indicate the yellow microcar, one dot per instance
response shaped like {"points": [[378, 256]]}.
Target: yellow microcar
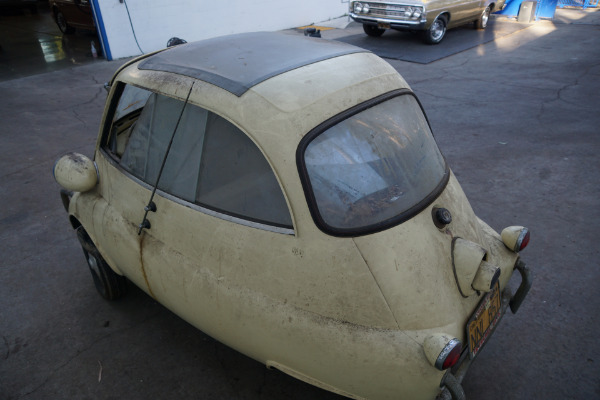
{"points": [[285, 195]]}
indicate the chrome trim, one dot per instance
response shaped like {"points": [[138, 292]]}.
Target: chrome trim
{"points": [[446, 351], [360, 18], [437, 30], [97, 172], [384, 4], [520, 239], [193, 206], [227, 217]]}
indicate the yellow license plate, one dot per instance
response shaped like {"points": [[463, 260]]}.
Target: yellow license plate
{"points": [[483, 320], [383, 25]]}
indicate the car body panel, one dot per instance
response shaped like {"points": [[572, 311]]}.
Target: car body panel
{"points": [[430, 272]]}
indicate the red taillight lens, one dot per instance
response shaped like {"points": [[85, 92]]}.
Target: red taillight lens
{"points": [[449, 355], [524, 240], [515, 238]]}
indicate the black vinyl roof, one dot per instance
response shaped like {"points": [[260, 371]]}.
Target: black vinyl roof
{"points": [[238, 62]]}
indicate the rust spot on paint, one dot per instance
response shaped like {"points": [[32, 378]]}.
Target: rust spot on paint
{"points": [[76, 158], [144, 269]]}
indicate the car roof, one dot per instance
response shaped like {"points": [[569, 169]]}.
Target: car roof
{"points": [[238, 62]]}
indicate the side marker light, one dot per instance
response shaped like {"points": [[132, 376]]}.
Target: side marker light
{"points": [[516, 238]]}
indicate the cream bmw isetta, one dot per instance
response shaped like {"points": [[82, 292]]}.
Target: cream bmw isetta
{"points": [[286, 196]]}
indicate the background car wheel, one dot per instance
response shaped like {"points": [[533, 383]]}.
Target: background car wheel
{"points": [[372, 30], [436, 31], [482, 22], [110, 285], [62, 23]]}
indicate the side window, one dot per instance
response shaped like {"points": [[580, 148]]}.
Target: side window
{"points": [[128, 110], [211, 162], [150, 136], [235, 177]]}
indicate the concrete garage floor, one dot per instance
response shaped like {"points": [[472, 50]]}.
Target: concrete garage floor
{"points": [[517, 119], [31, 43]]}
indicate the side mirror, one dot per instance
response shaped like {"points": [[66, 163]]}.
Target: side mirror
{"points": [[75, 172]]}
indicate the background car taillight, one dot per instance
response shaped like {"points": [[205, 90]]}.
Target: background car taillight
{"points": [[515, 238], [442, 351]]}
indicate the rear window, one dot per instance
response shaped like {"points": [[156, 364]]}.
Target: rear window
{"points": [[374, 169]]}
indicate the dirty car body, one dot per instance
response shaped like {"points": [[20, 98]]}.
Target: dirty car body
{"points": [[430, 17], [298, 211]]}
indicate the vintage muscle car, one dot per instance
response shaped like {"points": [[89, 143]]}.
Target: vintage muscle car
{"points": [[430, 17]]}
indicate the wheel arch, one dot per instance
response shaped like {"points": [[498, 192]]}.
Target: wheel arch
{"points": [[74, 222], [446, 14]]}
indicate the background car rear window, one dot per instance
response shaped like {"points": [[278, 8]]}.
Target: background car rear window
{"points": [[211, 162]]}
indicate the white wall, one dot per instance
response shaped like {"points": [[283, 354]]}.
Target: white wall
{"points": [[154, 22]]}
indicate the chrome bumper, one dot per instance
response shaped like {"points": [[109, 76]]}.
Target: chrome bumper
{"points": [[451, 382], [394, 23]]}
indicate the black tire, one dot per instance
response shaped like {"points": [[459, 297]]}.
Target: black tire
{"points": [[61, 21], [483, 19], [436, 31], [110, 285], [372, 30]]}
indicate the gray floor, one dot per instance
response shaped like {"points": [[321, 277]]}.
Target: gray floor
{"points": [[517, 119]]}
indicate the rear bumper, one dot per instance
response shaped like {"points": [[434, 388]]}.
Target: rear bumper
{"points": [[451, 382]]}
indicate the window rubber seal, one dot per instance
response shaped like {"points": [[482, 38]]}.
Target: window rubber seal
{"points": [[379, 226]]}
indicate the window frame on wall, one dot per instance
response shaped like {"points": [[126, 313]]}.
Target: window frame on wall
{"points": [[276, 203]]}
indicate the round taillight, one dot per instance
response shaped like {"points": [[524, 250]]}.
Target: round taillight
{"points": [[524, 241], [515, 238], [449, 355], [442, 350]]}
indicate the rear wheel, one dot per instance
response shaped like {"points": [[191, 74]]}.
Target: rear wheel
{"points": [[110, 285], [483, 19], [436, 31], [373, 30], [61, 21]]}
